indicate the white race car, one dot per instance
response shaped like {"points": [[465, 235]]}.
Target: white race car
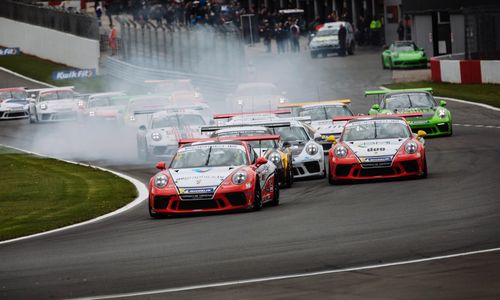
{"points": [[13, 103], [140, 108], [160, 136], [53, 104], [307, 156], [255, 96]]}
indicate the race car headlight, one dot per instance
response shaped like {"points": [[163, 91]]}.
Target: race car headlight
{"points": [[340, 151], [132, 118], [161, 181], [311, 149], [91, 113], [240, 177], [411, 147], [156, 136], [275, 158], [442, 113], [43, 106]]}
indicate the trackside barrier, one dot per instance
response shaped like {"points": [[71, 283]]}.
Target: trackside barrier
{"points": [[209, 85], [455, 69]]}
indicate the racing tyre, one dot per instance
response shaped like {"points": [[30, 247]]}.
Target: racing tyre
{"points": [[331, 179], [276, 193], [324, 54], [383, 64], [451, 130], [154, 215], [424, 173], [257, 197], [142, 152], [314, 54], [350, 50], [289, 178]]}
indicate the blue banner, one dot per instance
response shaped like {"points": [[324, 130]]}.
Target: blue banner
{"points": [[73, 74], [9, 51]]}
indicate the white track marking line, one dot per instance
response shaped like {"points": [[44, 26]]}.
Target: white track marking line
{"points": [[142, 191], [469, 102], [291, 276], [26, 78]]}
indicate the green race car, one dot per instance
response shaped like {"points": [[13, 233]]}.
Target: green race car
{"points": [[404, 54], [436, 119]]}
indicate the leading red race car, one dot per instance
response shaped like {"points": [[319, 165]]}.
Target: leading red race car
{"points": [[212, 175], [373, 147]]}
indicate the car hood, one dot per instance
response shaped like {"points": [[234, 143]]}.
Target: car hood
{"points": [[408, 55], [200, 177], [325, 39], [426, 112], [328, 126], [12, 106], [106, 110], [61, 104], [375, 148]]}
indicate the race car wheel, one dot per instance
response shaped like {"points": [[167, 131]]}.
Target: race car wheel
{"points": [[289, 178], [424, 171], [324, 54], [383, 64], [142, 152], [390, 64], [314, 54], [350, 50], [451, 130], [276, 194], [153, 214], [331, 178], [257, 198]]}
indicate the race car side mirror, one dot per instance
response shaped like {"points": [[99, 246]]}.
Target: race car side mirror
{"points": [[376, 107], [442, 103], [421, 134], [142, 127], [260, 161], [331, 139], [161, 166]]}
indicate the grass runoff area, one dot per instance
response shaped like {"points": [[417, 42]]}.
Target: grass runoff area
{"points": [[41, 70], [38, 194], [483, 93]]}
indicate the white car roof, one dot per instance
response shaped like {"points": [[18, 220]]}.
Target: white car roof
{"points": [[242, 128]]}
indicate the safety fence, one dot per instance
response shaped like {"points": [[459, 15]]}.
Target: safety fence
{"points": [[206, 50], [52, 18]]}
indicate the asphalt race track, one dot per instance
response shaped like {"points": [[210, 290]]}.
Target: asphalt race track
{"points": [[316, 227]]}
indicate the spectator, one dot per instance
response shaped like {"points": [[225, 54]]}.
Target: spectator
{"points": [[401, 31], [294, 37], [342, 40], [113, 43]]}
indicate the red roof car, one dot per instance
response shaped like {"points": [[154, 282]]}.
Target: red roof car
{"points": [[213, 175]]}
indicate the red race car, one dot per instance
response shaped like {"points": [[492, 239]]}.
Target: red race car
{"points": [[374, 147], [214, 175]]}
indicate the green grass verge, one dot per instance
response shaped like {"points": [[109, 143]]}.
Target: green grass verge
{"points": [[38, 194], [40, 69], [483, 93]]}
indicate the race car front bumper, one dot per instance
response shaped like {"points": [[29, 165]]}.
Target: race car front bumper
{"points": [[57, 116], [351, 169], [303, 168], [432, 129], [13, 114]]}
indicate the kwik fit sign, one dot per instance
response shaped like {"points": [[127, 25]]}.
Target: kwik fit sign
{"points": [[73, 74], [9, 51]]}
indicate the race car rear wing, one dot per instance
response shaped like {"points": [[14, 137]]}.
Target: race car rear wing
{"points": [[386, 91], [300, 104], [348, 118], [230, 115], [149, 111], [269, 137], [263, 124]]}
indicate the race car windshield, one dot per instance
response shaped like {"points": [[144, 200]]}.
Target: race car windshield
{"points": [[414, 100], [99, 102], [178, 121], [405, 47], [209, 156], [12, 95], [257, 91], [289, 134], [325, 112], [373, 130], [327, 32], [56, 95], [255, 144]]}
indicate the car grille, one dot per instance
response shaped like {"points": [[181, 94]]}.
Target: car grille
{"points": [[197, 204], [16, 114], [410, 166], [237, 199], [384, 164], [343, 170], [161, 202], [376, 172], [444, 127], [428, 130], [312, 166], [200, 196]]}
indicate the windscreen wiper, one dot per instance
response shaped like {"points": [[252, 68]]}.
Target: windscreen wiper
{"points": [[208, 156]]}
